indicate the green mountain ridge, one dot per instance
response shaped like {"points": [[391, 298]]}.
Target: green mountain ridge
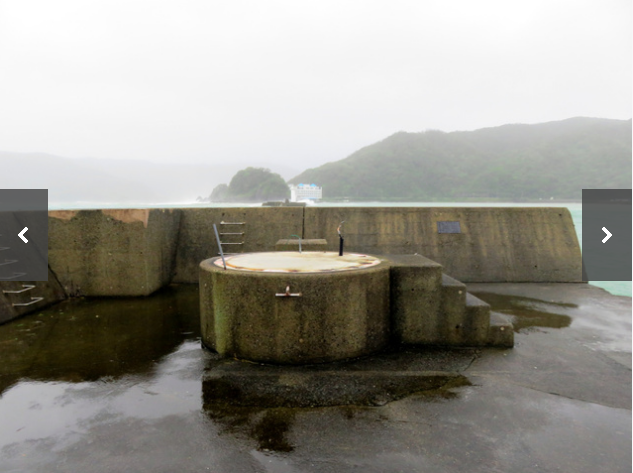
{"points": [[510, 162]]}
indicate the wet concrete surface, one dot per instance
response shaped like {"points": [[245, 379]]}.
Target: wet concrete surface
{"points": [[123, 385]]}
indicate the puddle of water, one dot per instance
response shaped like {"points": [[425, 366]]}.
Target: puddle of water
{"points": [[270, 426], [83, 340], [528, 312], [84, 364], [32, 410]]}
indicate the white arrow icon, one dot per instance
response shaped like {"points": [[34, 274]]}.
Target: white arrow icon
{"points": [[604, 229], [21, 234]]}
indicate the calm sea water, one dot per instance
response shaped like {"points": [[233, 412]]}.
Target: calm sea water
{"points": [[620, 288]]}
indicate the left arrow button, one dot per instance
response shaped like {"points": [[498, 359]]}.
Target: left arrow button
{"points": [[21, 234]]}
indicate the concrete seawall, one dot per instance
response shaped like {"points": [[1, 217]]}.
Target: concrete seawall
{"points": [[135, 252], [530, 244], [122, 252]]}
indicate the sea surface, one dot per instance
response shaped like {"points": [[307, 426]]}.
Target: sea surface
{"points": [[619, 288]]}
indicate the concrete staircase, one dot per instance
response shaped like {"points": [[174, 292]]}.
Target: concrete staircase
{"points": [[429, 307]]}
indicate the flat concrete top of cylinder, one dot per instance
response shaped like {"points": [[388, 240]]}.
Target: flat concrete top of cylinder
{"points": [[295, 262]]}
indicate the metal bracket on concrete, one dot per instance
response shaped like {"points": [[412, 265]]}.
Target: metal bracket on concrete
{"points": [[27, 287], [288, 294], [24, 304]]}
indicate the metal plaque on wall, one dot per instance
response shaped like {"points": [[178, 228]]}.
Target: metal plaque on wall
{"points": [[448, 227]]}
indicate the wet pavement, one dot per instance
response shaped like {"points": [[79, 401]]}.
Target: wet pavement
{"points": [[123, 385]]}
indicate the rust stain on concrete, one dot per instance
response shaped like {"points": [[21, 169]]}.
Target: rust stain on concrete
{"points": [[129, 215]]}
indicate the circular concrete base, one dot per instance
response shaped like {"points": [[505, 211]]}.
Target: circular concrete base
{"points": [[295, 308]]}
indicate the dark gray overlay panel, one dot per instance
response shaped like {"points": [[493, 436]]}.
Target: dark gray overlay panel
{"points": [[20, 260], [606, 258]]}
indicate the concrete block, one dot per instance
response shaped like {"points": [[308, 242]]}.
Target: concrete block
{"points": [[501, 331], [118, 252], [476, 322], [453, 311], [415, 298]]}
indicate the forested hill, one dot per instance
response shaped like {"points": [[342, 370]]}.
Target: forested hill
{"points": [[510, 162]]}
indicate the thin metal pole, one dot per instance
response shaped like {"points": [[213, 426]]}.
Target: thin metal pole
{"points": [[299, 241], [217, 237], [340, 235]]}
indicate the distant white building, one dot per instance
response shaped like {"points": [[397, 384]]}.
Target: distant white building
{"points": [[305, 192]]}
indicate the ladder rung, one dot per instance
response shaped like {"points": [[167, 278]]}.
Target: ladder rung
{"points": [[24, 304], [242, 233], [27, 287], [231, 243], [232, 223]]}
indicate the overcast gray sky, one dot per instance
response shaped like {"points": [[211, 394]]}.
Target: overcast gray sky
{"points": [[297, 82]]}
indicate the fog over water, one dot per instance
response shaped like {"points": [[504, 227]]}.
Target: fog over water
{"points": [[292, 85]]}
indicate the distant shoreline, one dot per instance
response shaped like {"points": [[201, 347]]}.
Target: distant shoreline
{"points": [[325, 203]]}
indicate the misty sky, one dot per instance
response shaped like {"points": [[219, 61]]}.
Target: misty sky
{"points": [[297, 82]]}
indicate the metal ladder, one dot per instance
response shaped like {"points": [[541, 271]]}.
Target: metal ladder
{"points": [[8, 262], [25, 287], [225, 228]]}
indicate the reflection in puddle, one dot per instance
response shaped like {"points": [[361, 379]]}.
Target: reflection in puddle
{"points": [[33, 410], [268, 427], [261, 402], [98, 339], [527, 312], [325, 389], [85, 364]]}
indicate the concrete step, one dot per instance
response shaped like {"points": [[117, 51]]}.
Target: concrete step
{"points": [[501, 331], [465, 318], [416, 297], [429, 307], [476, 322], [452, 311]]}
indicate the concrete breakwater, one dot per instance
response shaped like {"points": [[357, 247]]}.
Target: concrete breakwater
{"points": [[134, 252]]}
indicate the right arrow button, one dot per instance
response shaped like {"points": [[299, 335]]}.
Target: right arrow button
{"points": [[604, 229]]}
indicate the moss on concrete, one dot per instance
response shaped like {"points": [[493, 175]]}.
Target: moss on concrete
{"points": [[339, 314]]}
